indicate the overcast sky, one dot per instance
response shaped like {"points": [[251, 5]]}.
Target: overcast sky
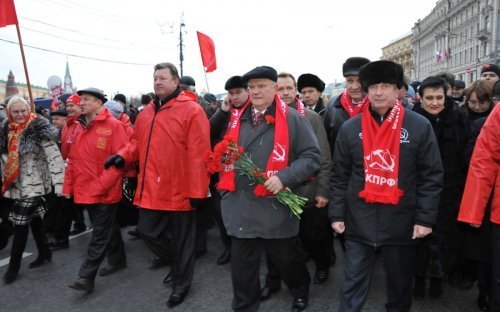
{"points": [[294, 36]]}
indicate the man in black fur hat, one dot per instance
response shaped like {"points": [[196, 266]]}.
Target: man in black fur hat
{"points": [[311, 88], [385, 186]]}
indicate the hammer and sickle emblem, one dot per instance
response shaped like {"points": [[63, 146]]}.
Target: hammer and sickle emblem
{"points": [[279, 152], [385, 160]]}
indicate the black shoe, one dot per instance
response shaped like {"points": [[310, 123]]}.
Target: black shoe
{"points": [[483, 302], [9, 277], [266, 292], [43, 257], [76, 231], [58, 244], [320, 277], [176, 299], [225, 257], [83, 284], [299, 304], [168, 279], [435, 288], [157, 263], [199, 253], [112, 269], [419, 288]]}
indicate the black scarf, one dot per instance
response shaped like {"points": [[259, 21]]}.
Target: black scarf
{"points": [[159, 103]]}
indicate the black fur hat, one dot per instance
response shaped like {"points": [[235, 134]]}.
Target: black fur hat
{"points": [[235, 82], [310, 80], [352, 65], [381, 72]]}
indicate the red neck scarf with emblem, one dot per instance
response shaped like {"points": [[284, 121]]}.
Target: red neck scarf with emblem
{"points": [[381, 145], [300, 107], [12, 164], [349, 106], [279, 156]]}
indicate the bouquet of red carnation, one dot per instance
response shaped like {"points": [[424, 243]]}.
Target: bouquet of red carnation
{"points": [[227, 156]]}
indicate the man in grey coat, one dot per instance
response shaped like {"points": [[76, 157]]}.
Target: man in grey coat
{"points": [[257, 223], [385, 187]]}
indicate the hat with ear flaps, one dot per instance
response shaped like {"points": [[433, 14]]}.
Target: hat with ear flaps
{"points": [[381, 72]]}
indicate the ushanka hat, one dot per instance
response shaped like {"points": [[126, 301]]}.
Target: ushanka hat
{"points": [[310, 80], [491, 68], [261, 72], [235, 82], [381, 72], [352, 65]]}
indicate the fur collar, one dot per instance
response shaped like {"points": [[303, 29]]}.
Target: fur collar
{"points": [[38, 130]]}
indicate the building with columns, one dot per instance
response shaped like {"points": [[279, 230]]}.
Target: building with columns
{"points": [[458, 36]]}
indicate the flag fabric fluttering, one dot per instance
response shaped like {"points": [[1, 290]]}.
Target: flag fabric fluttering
{"points": [[8, 14], [207, 50]]}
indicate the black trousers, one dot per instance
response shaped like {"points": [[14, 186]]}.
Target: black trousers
{"points": [[63, 217], [226, 239], [399, 264], [246, 254], [106, 240], [495, 261], [171, 235]]}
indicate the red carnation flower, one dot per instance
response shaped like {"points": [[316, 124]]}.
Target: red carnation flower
{"points": [[270, 119]]}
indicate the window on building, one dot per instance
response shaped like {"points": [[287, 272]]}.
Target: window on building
{"points": [[485, 48], [465, 56], [471, 55], [487, 22], [477, 51]]}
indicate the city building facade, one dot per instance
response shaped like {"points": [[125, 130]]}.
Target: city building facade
{"points": [[400, 51], [458, 36]]}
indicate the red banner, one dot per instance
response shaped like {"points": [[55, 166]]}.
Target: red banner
{"points": [[207, 49], [8, 14]]}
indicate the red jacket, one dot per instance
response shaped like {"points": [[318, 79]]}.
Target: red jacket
{"points": [[86, 179], [69, 133], [170, 145], [484, 174], [125, 119]]}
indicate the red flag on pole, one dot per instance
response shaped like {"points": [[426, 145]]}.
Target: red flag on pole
{"points": [[207, 49], [8, 14]]}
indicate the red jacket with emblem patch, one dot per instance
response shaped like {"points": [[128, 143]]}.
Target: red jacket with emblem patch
{"points": [[170, 144], [86, 179], [69, 133]]}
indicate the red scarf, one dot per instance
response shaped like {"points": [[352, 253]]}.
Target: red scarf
{"points": [[300, 107], [13, 137], [279, 156], [352, 109], [381, 156]]}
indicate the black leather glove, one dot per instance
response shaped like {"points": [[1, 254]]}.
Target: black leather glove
{"points": [[196, 202], [114, 160]]}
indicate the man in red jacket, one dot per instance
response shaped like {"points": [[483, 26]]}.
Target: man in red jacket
{"points": [[97, 189], [171, 136]]}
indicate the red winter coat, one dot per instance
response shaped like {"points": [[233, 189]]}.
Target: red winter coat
{"points": [[69, 133], [86, 179], [125, 119], [484, 174], [170, 145]]}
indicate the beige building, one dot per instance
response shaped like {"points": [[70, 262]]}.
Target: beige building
{"points": [[400, 51], [458, 36], [10, 87]]}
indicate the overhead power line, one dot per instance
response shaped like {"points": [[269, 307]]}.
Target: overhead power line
{"points": [[77, 56]]}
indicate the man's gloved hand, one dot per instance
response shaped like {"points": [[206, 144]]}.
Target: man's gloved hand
{"points": [[114, 160], [196, 202]]}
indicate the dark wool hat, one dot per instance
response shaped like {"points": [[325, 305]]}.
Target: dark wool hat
{"points": [[261, 72], [352, 65], [64, 97], [459, 84], [310, 80], [235, 82], [94, 92], [121, 98], [381, 72], [59, 112], [496, 90], [187, 81], [491, 68], [209, 97]]}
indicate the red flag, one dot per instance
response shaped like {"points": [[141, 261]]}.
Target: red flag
{"points": [[207, 49], [8, 14]]}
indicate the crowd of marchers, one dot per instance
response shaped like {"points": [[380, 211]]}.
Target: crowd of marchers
{"points": [[405, 169]]}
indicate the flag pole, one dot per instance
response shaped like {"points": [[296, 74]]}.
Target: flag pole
{"points": [[32, 103], [206, 80]]}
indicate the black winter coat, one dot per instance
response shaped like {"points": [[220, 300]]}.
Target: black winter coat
{"points": [[335, 116], [420, 177], [451, 131]]}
